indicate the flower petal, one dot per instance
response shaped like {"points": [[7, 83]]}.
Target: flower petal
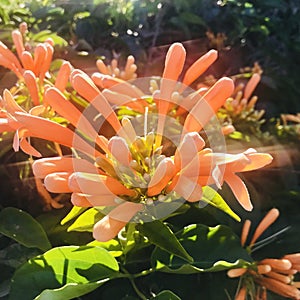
{"points": [[27, 61], [190, 145], [161, 177], [10, 104], [45, 166], [18, 41], [49, 130], [84, 86], [205, 108], [266, 222], [30, 81], [66, 109], [257, 161], [120, 150], [63, 76], [48, 59], [9, 55], [80, 199], [240, 191], [58, 182], [199, 67], [28, 149], [6, 63], [40, 54], [107, 228], [94, 184], [174, 62], [188, 189], [251, 85]]}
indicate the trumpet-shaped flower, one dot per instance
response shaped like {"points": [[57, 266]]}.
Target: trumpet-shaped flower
{"points": [[113, 70], [155, 158], [31, 64], [276, 275]]}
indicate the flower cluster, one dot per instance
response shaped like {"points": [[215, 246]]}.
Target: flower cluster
{"points": [[288, 126], [31, 65], [113, 70], [116, 165], [276, 275], [239, 109]]}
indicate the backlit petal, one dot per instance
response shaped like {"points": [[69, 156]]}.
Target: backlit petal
{"points": [[30, 81], [191, 144], [206, 108], [199, 67], [120, 150], [49, 130], [18, 41], [40, 53], [188, 189], [9, 55], [63, 76], [44, 166], [240, 191], [57, 182], [84, 86], [79, 199], [162, 175], [174, 62], [107, 228], [87, 183]]}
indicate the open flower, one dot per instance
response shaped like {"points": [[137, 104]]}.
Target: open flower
{"points": [[276, 275], [136, 167]]}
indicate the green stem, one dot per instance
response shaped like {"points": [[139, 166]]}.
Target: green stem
{"points": [[143, 273], [138, 292], [131, 278]]}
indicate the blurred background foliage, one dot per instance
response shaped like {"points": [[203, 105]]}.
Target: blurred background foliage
{"points": [[246, 31]]}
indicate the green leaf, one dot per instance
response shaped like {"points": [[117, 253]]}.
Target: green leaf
{"points": [[57, 233], [215, 199], [23, 228], [212, 248], [70, 291], [112, 246], [62, 270], [14, 255], [45, 34], [86, 221], [75, 212], [161, 235], [165, 295]]}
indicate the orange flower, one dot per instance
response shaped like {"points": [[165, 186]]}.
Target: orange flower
{"points": [[271, 274], [137, 169], [31, 65], [38, 64], [113, 70]]}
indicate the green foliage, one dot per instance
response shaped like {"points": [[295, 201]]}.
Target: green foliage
{"points": [[160, 235], [86, 220], [212, 248], [23, 228], [213, 198], [166, 295], [264, 31], [68, 271]]}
